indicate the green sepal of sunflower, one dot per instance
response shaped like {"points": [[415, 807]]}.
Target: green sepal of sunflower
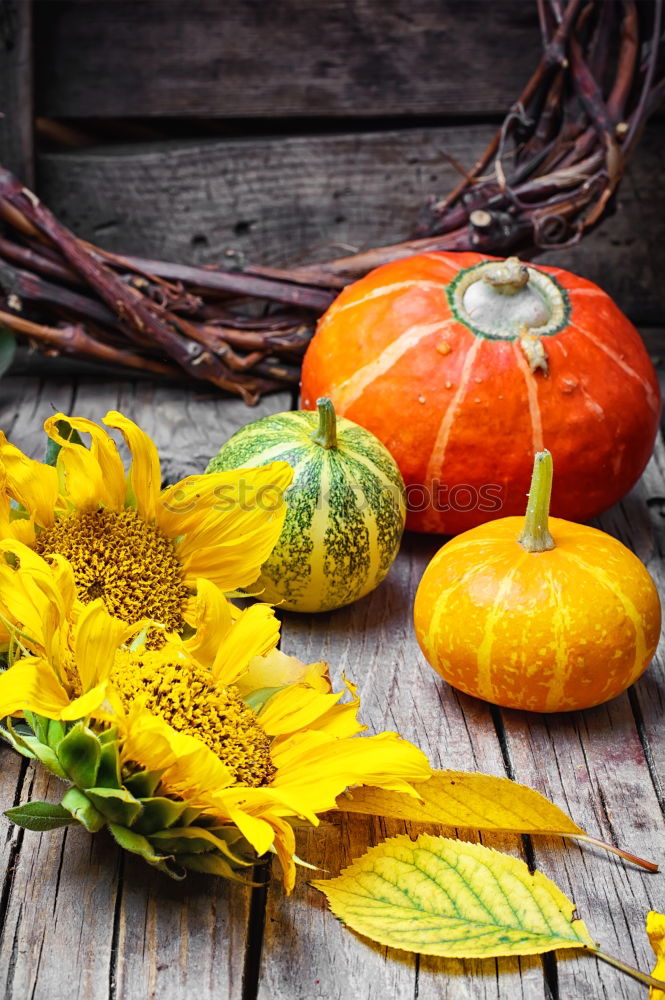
{"points": [[80, 753], [159, 813], [142, 784], [169, 834], [213, 864], [108, 773], [117, 805], [21, 737], [198, 840], [83, 811]]}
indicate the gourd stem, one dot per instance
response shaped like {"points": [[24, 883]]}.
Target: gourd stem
{"points": [[326, 432], [536, 535]]}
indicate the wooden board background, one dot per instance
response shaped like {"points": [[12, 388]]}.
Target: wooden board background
{"points": [[284, 132], [129, 933]]}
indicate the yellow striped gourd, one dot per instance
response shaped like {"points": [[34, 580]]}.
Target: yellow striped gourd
{"points": [[346, 506]]}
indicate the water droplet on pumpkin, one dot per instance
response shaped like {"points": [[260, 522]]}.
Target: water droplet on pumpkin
{"points": [[443, 347], [421, 399], [449, 385]]}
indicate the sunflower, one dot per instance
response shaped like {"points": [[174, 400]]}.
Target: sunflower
{"points": [[141, 549], [195, 760]]}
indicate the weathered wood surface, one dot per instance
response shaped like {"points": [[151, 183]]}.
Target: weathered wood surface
{"points": [[344, 57], [16, 88], [129, 934], [286, 200]]}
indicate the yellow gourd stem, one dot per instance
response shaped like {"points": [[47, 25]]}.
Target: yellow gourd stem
{"points": [[536, 536], [326, 432]]}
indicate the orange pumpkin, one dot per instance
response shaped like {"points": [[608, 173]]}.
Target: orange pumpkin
{"points": [[537, 614], [463, 367]]}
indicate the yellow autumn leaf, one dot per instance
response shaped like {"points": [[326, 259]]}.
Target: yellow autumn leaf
{"points": [[467, 800], [656, 933], [438, 896]]}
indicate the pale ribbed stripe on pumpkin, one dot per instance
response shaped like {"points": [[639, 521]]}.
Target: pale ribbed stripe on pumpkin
{"points": [[484, 657], [532, 397], [629, 609], [349, 391], [440, 608], [648, 391], [438, 453], [441, 258], [379, 293], [564, 666]]}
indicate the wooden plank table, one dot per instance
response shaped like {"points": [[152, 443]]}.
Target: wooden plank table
{"points": [[81, 921]]}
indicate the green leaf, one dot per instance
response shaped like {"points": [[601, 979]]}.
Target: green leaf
{"points": [[158, 814], [83, 811], [170, 868], [79, 754], [66, 431], [10, 737], [464, 799], [39, 816], [117, 805], [196, 839], [142, 784], [108, 774], [109, 735], [7, 349], [213, 864], [39, 726], [135, 843], [55, 733], [32, 747], [445, 897]]}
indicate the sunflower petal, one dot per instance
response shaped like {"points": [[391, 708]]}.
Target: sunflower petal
{"points": [[30, 685], [285, 845], [105, 453], [276, 669], [227, 523], [255, 633], [97, 636], [317, 769], [32, 484], [144, 472], [257, 831], [190, 768], [211, 618], [82, 478], [86, 704], [296, 707]]}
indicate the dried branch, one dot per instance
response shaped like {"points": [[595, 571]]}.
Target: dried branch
{"points": [[547, 177]]}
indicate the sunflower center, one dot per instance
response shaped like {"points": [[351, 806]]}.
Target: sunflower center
{"points": [[131, 565], [185, 697]]}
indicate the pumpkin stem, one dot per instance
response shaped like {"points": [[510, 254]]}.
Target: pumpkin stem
{"points": [[536, 535], [326, 432], [509, 277]]}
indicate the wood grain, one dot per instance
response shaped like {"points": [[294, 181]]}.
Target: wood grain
{"points": [[128, 933], [287, 200], [294, 58], [16, 89]]}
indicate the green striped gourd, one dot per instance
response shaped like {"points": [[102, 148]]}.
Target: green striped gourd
{"points": [[346, 506]]}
